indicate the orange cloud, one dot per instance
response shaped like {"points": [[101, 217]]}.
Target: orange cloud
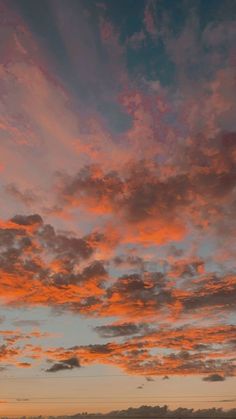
{"points": [[192, 352]]}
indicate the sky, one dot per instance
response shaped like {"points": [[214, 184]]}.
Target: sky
{"points": [[117, 217]]}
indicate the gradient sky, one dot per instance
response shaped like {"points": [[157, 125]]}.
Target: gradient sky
{"points": [[117, 218]]}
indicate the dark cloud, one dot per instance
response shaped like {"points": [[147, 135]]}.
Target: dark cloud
{"points": [[7, 352], [124, 329], [64, 245], [31, 250], [214, 378], [128, 260], [227, 401], [140, 286], [66, 364], [135, 355], [136, 195], [189, 269], [95, 270], [70, 278], [201, 347], [141, 193], [218, 292], [26, 240], [72, 362], [27, 220], [90, 181], [149, 379], [100, 349], [58, 367]]}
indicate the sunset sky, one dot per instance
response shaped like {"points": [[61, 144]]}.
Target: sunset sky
{"points": [[117, 217]]}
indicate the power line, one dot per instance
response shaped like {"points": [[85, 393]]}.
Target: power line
{"points": [[122, 396], [107, 398], [161, 397], [106, 401], [65, 377]]}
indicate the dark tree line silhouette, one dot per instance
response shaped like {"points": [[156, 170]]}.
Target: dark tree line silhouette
{"points": [[157, 412]]}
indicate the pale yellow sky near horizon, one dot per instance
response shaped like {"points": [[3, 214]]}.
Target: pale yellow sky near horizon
{"points": [[68, 395]]}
